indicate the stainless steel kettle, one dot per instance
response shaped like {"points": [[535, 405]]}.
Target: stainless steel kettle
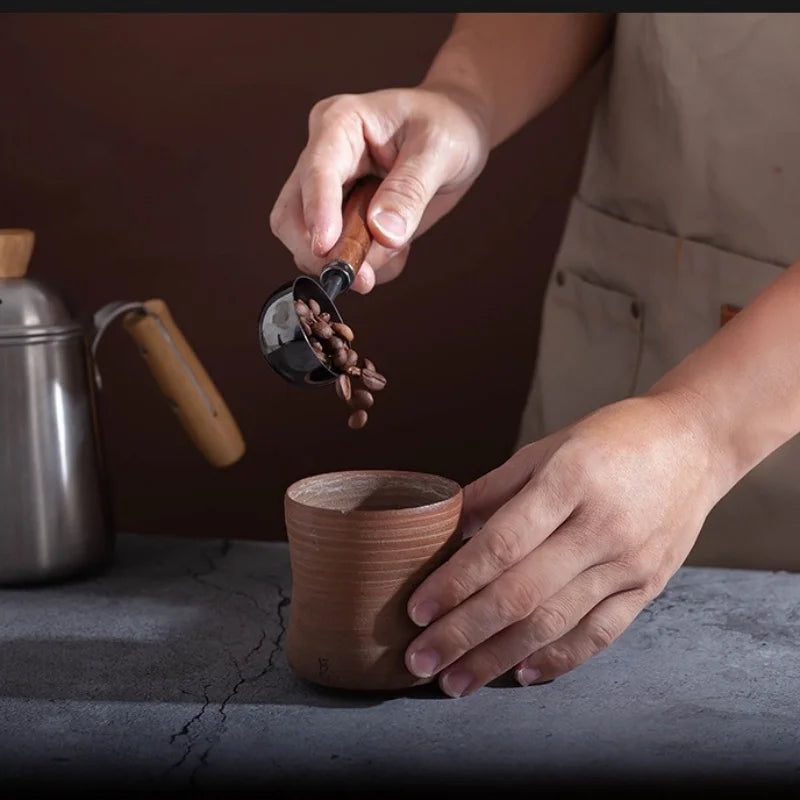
{"points": [[55, 509]]}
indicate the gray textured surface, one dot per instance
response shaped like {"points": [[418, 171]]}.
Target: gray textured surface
{"points": [[168, 671]]}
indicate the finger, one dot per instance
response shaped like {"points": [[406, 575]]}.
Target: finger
{"points": [[404, 194], [387, 268], [288, 224], [594, 633], [321, 194], [389, 263], [393, 266], [440, 206], [364, 282], [550, 621], [512, 597], [484, 496], [335, 155], [511, 533]]}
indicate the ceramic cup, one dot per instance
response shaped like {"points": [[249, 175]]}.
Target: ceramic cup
{"points": [[360, 542]]}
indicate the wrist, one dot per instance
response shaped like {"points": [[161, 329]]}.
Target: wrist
{"points": [[455, 75], [704, 431], [468, 102]]}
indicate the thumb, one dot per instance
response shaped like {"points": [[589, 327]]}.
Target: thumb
{"points": [[397, 208]]}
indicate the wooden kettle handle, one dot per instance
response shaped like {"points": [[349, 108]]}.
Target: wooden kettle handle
{"points": [[355, 240], [186, 384], [16, 246]]}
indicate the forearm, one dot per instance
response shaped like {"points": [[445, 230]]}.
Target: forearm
{"points": [[512, 66], [746, 379]]}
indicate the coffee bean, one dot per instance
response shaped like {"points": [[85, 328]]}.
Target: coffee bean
{"points": [[343, 388], [372, 380], [361, 399], [358, 419], [340, 357], [331, 344], [345, 331], [322, 330]]}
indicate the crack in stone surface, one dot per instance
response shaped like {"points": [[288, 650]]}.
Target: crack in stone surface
{"points": [[201, 577], [284, 599], [277, 642], [216, 734], [262, 639], [187, 726], [185, 730]]}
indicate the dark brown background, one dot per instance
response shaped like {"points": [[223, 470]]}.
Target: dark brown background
{"points": [[146, 151]]}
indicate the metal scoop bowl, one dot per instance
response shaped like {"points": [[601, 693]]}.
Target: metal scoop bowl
{"points": [[281, 338]]}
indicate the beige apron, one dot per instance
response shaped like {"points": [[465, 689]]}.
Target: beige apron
{"points": [[687, 204]]}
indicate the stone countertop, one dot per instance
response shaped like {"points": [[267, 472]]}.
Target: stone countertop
{"points": [[167, 671]]}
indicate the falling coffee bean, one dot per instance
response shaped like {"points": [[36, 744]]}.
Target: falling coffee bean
{"points": [[372, 380], [361, 399], [344, 388], [345, 331], [358, 419], [331, 344]]}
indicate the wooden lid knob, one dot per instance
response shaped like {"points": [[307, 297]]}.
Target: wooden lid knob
{"points": [[16, 246]]}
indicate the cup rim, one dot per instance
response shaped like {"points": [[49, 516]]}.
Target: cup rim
{"points": [[456, 491]]}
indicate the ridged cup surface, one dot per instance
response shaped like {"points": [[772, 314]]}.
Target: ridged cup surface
{"points": [[360, 542]]}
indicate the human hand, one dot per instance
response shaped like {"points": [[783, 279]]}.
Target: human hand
{"points": [[580, 530], [430, 144]]}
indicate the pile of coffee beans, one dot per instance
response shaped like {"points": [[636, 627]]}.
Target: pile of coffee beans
{"points": [[333, 344]]}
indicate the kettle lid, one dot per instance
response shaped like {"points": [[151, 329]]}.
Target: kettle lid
{"points": [[27, 307]]}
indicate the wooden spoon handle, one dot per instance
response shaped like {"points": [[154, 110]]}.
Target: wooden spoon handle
{"points": [[355, 240]]}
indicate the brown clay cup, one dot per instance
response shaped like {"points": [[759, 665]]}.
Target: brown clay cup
{"points": [[360, 542]]}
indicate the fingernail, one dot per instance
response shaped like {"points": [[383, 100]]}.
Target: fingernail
{"points": [[423, 612], [390, 223], [527, 675], [423, 663], [315, 243], [457, 682]]}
